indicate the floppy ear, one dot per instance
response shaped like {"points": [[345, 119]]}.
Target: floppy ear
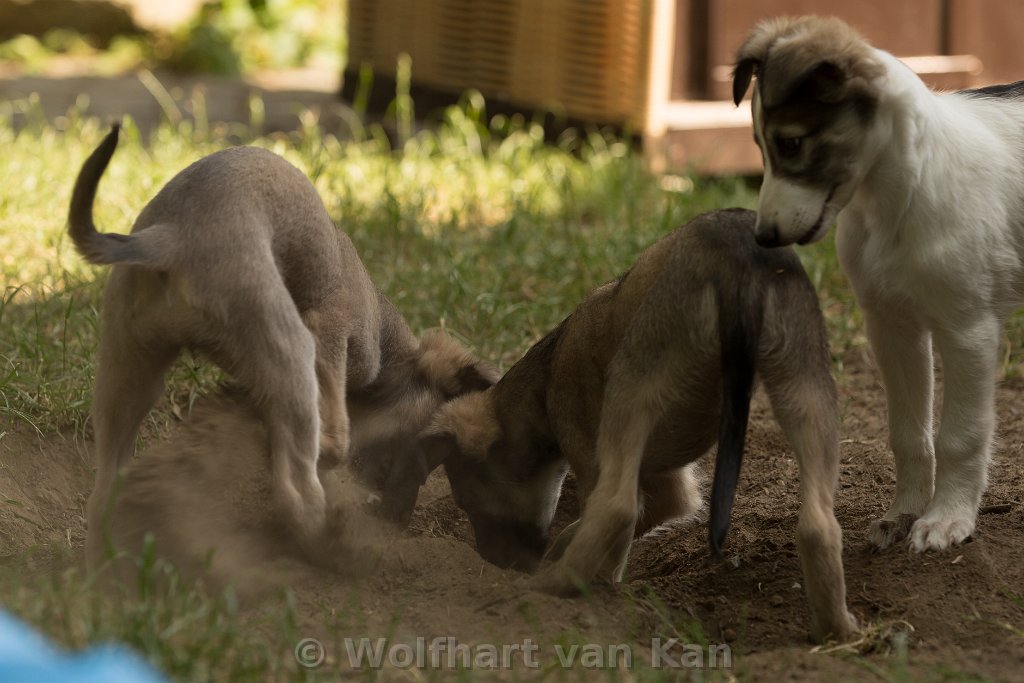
{"points": [[741, 75], [408, 474], [449, 367], [752, 53]]}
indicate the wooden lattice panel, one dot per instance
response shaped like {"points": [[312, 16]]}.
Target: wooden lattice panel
{"points": [[585, 59]]}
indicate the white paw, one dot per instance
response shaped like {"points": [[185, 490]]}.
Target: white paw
{"points": [[938, 531]]}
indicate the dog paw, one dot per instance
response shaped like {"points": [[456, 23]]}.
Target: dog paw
{"points": [[836, 631], [887, 532], [940, 533]]}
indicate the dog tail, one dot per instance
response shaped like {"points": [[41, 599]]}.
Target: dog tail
{"points": [[94, 246], [739, 325]]}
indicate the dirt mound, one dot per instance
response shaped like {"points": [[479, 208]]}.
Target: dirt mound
{"points": [[203, 496]]}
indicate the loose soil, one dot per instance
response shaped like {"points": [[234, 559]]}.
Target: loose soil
{"points": [[204, 485]]}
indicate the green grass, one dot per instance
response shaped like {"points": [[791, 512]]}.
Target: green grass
{"points": [[477, 226], [183, 630]]}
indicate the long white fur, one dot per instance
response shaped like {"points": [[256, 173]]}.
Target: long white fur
{"points": [[933, 244]]}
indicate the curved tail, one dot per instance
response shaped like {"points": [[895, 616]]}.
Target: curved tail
{"points": [[739, 321], [94, 246]]}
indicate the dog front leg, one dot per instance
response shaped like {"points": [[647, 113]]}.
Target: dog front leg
{"points": [[334, 422], [903, 351], [292, 428], [964, 444], [600, 543], [274, 356], [331, 375]]}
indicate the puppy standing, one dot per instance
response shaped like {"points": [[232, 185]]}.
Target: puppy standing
{"points": [[237, 258], [929, 192], [641, 380]]}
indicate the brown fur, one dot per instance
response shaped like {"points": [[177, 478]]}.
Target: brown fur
{"points": [[237, 258], [794, 49], [631, 389]]}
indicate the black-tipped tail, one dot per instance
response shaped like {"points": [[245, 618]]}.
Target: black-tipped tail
{"points": [[93, 245], [740, 335]]}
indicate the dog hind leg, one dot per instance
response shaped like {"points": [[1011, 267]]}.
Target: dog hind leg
{"points": [[803, 398], [129, 382], [963, 446]]}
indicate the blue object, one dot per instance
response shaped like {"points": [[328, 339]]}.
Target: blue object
{"points": [[27, 657]]}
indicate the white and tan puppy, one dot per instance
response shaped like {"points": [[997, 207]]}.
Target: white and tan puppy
{"points": [[928, 189], [237, 258]]}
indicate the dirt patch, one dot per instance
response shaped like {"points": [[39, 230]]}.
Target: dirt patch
{"points": [[206, 485], [44, 482]]}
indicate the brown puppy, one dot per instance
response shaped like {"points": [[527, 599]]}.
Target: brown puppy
{"points": [[648, 373], [237, 258]]}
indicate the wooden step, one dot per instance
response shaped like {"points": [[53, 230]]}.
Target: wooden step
{"points": [[941, 72], [715, 137]]}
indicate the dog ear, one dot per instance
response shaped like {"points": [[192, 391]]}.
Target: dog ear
{"points": [[754, 51], [447, 365], [742, 73]]}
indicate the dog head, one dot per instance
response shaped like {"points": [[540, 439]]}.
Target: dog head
{"points": [[506, 487], [385, 442], [814, 109]]}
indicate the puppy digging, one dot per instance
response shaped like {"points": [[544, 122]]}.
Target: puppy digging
{"points": [[205, 495]]}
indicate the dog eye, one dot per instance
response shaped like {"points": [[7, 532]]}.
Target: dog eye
{"points": [[788, 147]]}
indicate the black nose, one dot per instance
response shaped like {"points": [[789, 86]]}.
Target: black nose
{"points": [[767, 235]]}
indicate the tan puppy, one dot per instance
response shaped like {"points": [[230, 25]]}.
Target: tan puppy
{"points": [[648, 373], [237, 258]]}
